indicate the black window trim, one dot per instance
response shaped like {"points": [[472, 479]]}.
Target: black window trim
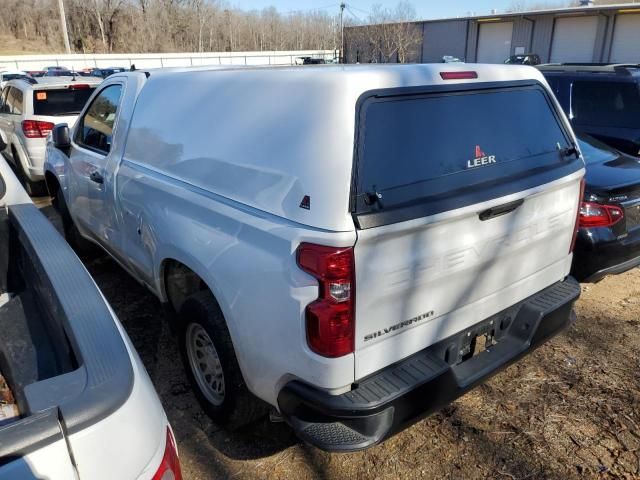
{"points": [[375, 219], [2, 103], [79, 125]]}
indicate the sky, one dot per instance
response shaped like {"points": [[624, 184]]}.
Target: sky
{"points": [[425, 9]]}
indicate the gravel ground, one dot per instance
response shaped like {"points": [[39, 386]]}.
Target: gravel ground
{"points": [[570, 410]]}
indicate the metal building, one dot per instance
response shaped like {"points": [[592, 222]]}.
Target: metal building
{"points": [[608, 33]]}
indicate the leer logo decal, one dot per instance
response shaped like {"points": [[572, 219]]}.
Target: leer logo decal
{"points": [[481, 159]]}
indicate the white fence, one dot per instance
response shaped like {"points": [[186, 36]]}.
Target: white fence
{"points": [[159, 60]]}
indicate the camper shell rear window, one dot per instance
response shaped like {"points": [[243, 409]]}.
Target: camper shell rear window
{"points": [[420, 153]]}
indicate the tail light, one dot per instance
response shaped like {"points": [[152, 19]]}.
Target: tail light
{"points": [[330, 320], [458, 75], [79, 86], [598, 215], [170, 466], [36, 128], [577, 224]]}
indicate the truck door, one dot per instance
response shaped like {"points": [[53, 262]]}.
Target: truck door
{"points": [[91, 152]]}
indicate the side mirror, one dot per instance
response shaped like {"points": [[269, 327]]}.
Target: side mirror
{"points": [[60, 136]]}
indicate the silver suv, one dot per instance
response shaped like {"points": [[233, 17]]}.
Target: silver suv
{"points": [[29, 109]]}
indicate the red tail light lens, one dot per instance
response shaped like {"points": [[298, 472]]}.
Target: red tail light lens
{"points": [[79, 86], [458, 75], [170, 466], [598, 215], [577, 225], [36, 128], [330, 320]]}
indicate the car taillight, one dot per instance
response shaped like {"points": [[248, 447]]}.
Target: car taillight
{"points": [[458, 75], [330, 320], [577, 224], [79, 86], [597, 215], [36, 128], [170, 466]]}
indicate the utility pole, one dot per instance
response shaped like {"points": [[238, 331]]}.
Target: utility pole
{"points": [[342, 7], [63, 25]]}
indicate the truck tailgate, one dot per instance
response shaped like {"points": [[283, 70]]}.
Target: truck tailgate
{"points": [[466, 204]]}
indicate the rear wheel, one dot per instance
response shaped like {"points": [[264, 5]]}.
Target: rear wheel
{"points": [[34, 189], [211, 364]]}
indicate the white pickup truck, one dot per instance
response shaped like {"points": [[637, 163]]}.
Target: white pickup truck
{"points": [[356, 246]]}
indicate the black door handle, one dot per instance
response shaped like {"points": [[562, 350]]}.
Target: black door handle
{"points": [[500, 210], [96, 177]]}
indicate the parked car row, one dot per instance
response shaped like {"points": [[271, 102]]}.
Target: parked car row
{"points": [[352, 286]]}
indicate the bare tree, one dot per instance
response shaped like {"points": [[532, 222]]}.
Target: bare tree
{"points": [[391, 34], [166, 26]]}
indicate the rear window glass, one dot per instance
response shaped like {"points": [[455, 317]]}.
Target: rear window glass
{"points": [[606, 104], [60, 102], [436, 147], [12, 76]]}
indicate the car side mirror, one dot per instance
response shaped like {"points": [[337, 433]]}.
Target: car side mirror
{"points": [[61, 138]]}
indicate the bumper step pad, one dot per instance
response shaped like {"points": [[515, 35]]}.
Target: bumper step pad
{"points": [[421, 384]]}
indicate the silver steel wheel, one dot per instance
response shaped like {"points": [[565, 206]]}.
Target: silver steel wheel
{"points": [[205, 363]]}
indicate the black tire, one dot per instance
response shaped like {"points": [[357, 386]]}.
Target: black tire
{"points": [[238, 406], [72, 235], [33, 189]]}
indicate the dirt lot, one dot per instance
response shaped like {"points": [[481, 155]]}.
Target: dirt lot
{"points": [[570, 410]]}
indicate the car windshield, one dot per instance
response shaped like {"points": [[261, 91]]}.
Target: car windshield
{"points": [[606, 104], [60, 102], [595, 152]]}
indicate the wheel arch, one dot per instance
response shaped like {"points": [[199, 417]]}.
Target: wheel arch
{"points": [[52, 183], [190, 277], [195, 277]]}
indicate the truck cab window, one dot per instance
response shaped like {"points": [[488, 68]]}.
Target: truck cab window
{"points": [[96, 126]]}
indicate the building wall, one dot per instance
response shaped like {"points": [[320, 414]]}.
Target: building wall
{"points": [[532, 32], [522, 32], [472, 41], [439, 37], [542, 35]]}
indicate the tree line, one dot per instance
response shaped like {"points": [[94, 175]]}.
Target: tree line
{"points": [[146, 26]]}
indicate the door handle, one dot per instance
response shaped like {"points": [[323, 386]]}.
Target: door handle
{"points": [[96, 177], [500, 210]]}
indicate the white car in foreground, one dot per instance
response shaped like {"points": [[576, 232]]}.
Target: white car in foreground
{"points": [[81, 404], [29, 108]]}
